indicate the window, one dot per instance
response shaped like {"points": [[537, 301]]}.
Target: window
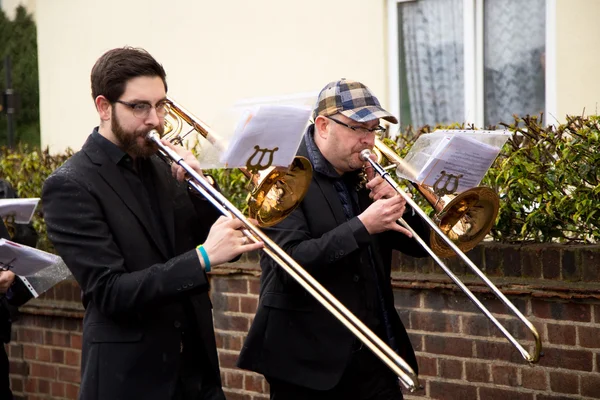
{"points": [[474, 61]]}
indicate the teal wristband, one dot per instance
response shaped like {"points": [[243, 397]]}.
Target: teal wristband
{"points": [[204, 257]]}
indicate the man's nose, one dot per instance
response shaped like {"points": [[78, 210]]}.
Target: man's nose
{"points": [[368, 138], [152, 118]]}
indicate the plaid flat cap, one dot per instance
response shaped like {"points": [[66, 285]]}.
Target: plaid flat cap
{"points": [[351, 99]]}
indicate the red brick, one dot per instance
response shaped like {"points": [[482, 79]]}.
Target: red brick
{"points": [[72, 391], [66, 374], [564, 382], [58, 356], [477, 372], [427, 365], [231, 322], [31, 385], [29, 351], [233, 303], [562, 334], [220, 339], [44, 354], [236, 396], [254, 286], [497, 307], [234, 380], [75, 341], [43, 370], [561, 311], [590, 385], [448, 301], [416, 340], [497, 351], [14, 350], [534, 378], [16, 384], [434, 322], [43, 386], [407, 299], [73, 325], [568, 359], [451, 391], [59, 339], [505, 375], [589, 337], [230, 285], [451, 369], [488, 393], [73, 358], [449, 345], [30, 335], [19, 367], [248, 305], [57, 389], [254, 383], [227, 360]]}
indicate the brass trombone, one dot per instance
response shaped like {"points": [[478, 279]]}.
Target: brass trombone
{"points": [[531, 358], [275, 191], [404, 372]]}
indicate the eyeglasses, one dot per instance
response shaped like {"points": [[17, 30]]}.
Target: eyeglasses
{"points": [[142, 110], [361, 129]]}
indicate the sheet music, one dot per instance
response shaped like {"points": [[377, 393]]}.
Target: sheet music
{"points": [[267, 127], [38, 269], [21, 209], [24, 260], [459, 154]]}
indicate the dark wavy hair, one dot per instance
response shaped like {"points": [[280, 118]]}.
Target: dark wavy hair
{"points": [[116, 67]]}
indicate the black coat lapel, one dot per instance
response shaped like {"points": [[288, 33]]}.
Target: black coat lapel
{"points": [[113, 177]]}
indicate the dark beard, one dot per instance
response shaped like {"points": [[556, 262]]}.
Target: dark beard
{"points": [[128, 140]]}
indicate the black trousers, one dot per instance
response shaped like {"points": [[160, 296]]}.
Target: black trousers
{"points": [[365, 378], [195, 380], [5, 392]]}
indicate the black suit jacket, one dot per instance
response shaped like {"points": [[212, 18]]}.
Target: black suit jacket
{"points": [[294, 338], [133, 288]]}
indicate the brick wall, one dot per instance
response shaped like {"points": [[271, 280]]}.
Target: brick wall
{"points": [[461, 354]]}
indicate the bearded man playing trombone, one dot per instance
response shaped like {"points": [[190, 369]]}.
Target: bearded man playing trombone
{"points": [[343, 234], [128, 232]]}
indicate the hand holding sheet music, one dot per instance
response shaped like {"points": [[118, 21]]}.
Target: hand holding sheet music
{"points": [[21, 209]]}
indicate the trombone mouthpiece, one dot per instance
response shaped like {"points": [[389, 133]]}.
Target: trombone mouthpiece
{"points": [[365, 155], [152, 134]]}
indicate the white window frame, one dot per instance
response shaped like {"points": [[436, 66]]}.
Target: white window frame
{"points": [[473, 60]]}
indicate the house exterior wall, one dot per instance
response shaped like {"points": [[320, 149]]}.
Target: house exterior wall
{"points": [[577, 58], [215, 53]]}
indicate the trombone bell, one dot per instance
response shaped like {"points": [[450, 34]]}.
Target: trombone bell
{"points": [[278, 191], [466, 220]]}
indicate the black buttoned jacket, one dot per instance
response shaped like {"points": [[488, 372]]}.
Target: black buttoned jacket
{"points": [[133, 287], [294, 338]]}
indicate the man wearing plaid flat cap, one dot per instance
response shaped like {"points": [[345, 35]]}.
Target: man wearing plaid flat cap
{"points": [[343, 234]]}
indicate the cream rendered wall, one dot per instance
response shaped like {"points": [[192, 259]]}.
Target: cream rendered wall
{"points": [[577, 57], [215, 52]]}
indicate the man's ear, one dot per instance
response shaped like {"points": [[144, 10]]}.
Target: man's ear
{"points": [[322, 126], [104, 108]]}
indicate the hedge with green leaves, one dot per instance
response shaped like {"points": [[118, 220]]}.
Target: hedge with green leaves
{"points": [[547, 179]]}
